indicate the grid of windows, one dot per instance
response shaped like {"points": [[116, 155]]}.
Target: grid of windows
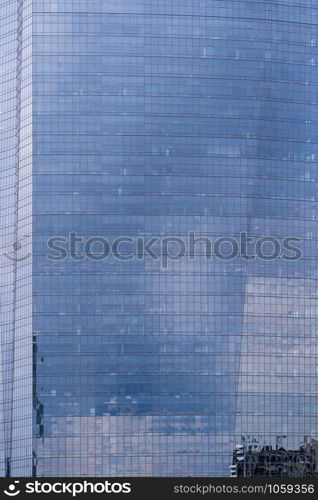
{"points": [[162, 117], [15, 231]]}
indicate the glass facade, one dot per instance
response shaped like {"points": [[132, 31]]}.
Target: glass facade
{"points": [[161, 118], [15, 231]]}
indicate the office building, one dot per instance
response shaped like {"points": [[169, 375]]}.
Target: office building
{"points": [[154, 119]]}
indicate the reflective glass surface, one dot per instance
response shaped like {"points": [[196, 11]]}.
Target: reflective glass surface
{"points": [[159, 118], [16, 357]]}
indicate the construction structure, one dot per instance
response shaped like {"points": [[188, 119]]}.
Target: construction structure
{"points": [[278, 462]]}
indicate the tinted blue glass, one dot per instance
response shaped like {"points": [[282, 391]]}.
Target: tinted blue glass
{"points": [[163, 118], [15, 232], [160, 119]]}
